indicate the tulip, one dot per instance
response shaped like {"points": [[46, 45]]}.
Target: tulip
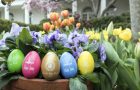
{"points": [[46, 26], [64, 22], [54, 16], [78, 25], [90, 34], [65, 13], [51, 27], [137, 51], [97, 36], [125, 35], [105, 33], [71, 19], [117, 31]]}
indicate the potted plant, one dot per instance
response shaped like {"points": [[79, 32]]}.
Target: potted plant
{"points": [[68, 57]]}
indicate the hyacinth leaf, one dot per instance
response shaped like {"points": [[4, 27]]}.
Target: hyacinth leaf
{"points": [[93, 77], [110, 28], [5, 81], [10, 42], [2, 60], [93, 47], [25, 36], [76, 84], [123, 71]]}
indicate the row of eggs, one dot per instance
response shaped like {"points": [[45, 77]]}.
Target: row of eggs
{"points": [[50, 65]]}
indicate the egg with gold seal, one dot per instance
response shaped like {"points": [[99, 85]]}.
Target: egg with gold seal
{"points": [[50, 66]]}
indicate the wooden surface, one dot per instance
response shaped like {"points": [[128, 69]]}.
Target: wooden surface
{"points": [[40, 84]]}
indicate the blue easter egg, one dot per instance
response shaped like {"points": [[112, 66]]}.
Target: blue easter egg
{"points": [[68, 65]]}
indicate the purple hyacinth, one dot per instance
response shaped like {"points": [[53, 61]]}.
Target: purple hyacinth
{"points": [[2, 42], [35, 36], [102, 53], [76, 51]]}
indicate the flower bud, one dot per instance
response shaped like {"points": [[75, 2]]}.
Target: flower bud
{"points": [[46, 26], [78, 25], [54, 16], [137, 51], [65, 13]]}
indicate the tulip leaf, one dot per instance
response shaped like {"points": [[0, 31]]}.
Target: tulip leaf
{"points": [[110, 28], [137, 70]]}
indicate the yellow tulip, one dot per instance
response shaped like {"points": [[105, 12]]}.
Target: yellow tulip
{"points": [[90, 34], [117, 31], [105, 33], [126, 34], [97, 36]]}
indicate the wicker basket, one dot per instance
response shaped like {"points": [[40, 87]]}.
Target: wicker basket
{"points": [[41, 84]]}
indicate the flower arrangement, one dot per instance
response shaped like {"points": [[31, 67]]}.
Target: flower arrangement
{"points": [[64, 50]]}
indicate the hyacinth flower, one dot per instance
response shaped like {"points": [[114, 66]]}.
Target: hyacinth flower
{"points": [[16, 29], [35, 36], [75, 41], [102, 53], [2, 43]]}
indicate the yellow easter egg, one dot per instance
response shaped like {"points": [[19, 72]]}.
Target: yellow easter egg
{"points": [[85, 63]]}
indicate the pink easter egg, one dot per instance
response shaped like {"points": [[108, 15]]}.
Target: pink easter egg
{"points": [[31, 65]]}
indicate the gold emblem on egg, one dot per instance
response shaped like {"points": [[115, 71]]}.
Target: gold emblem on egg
{"points": [[50, 67]]}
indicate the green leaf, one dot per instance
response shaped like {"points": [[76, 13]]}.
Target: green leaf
{"points": [[5, 81], [25, 47], [110, 28], [10, 42], [114, 77], [2, 60], [114, 74], [93, 77], [76, 84], [25, 36], [3, 73], [105, 71], [137, 70], [123, 71], [93, 47]]}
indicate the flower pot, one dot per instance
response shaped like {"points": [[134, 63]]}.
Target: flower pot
{"points": [[41, 84]]}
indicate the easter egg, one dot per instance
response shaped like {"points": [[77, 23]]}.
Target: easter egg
{"points": [[68, 65], [85, 63], [31, 65], [50, 66], [14, 62]]}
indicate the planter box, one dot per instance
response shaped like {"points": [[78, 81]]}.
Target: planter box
{"points": [[41, 84]]}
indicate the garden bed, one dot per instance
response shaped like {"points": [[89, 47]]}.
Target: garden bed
{"points": [[41, 84]]}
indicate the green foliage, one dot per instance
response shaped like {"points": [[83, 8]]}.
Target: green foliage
{"points": [[125, 72], [6, 77], [76, 84], [5, 25], [101, 23]]}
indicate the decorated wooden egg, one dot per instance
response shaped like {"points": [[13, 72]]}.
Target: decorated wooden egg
{"points": [[14, 62], [68, 65], [31, 65], [50, 66], [85, 63]]}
